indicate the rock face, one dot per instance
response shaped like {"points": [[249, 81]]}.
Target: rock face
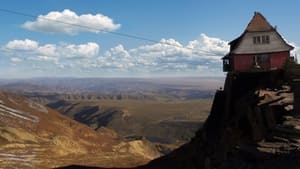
{"points": [[34, 136], [254, 123]]}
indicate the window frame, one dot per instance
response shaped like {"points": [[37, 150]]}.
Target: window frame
{"points": [[261, 39]]}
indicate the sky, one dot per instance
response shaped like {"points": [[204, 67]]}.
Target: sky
{"points": [[97, 38]]}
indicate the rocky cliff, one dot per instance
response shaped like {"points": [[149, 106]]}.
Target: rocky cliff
{"points": [[254, 124]]}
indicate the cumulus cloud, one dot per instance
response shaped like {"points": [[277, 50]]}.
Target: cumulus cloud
{"points": [[68, 22], [48, 50], [89, 49], [116, 58], [32, 50], [26, 44], [209, 45], [201, 56]]}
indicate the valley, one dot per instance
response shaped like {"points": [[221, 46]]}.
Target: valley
{"points": [[174, 121], [122, 124]]}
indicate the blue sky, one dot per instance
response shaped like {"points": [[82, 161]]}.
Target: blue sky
{"points": [[35, 47]]}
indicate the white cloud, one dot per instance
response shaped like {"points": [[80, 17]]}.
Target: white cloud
{"points": [[44, 58], [116, 58], [209, 45], [200, 55], [169, 57], [48, 50], [78, 51], [32, 50], [26, 44], [296, 51], [55, 22]]}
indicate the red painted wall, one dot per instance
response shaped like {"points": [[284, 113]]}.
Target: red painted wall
{"points": [[279, 59], [244, 62]]}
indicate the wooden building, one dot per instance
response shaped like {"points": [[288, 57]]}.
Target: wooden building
{"points": [[259, 48]]}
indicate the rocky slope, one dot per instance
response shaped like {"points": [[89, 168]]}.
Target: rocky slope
{"points": [[254, 124], [34, 136]]}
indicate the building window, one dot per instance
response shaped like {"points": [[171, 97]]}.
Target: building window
{"points": [[261, 61], [264, 39], [226, 65], [256, 40], [226, 62]]}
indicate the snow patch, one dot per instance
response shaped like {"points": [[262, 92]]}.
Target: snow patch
{"points": [[38, 107], [18, 155], [20, 159], [17, 113]]}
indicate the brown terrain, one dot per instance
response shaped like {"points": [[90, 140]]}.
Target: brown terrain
{"points": [[34, 136], [125, 127], [167, 124], [167, 112]]}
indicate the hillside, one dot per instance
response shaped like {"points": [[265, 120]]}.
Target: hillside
{"points": [[162, 110], [34, 136]]}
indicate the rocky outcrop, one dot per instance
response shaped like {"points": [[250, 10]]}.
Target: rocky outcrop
{"points": [[254, 123]]}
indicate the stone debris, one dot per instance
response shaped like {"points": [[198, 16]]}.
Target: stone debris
{"points": [[283, 97]]}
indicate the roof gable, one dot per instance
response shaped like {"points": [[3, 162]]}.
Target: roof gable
{"points": [[259, 23]]}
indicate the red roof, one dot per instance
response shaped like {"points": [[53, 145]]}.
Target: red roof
{"points": [[259, 23]]}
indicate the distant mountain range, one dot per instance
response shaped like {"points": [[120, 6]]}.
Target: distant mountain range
{"points": [[117, 88]]}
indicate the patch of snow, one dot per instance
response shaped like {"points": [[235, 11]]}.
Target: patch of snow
{"points": [[21, 159], [17, 159], [18, 155], [38, 107], [17, 113]]}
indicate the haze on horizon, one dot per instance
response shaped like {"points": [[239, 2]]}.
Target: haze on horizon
{"points": [[189, 38]]}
